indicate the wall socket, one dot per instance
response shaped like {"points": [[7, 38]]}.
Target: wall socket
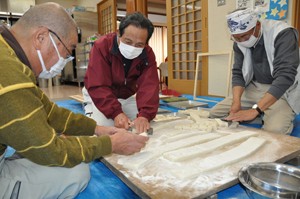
{"points": [[221, 2]]}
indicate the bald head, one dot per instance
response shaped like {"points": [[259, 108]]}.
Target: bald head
{"points": [[45, 32], [49, 15]]}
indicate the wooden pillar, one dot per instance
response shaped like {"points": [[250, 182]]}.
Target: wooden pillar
{"points": [[295, 14], [137, 5]]}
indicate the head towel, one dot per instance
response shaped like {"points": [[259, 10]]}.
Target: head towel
{"points": [[241, 21]]}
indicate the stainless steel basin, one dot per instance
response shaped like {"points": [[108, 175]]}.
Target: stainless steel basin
{"points": [[270, 180]]}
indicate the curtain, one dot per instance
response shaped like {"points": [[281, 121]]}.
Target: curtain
{"points": [[158, 42]]}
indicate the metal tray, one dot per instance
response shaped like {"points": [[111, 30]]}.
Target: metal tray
{"points": [[187, 104], [163, 111], [174, 99]]}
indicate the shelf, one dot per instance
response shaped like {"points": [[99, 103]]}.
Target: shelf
{"points": [[83, 53], [81, 67]]}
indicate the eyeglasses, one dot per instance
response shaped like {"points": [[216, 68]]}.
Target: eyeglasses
{"points": [[69, 52]]}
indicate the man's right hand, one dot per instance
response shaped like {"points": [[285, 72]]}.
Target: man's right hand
{"points": [[125, 143]]}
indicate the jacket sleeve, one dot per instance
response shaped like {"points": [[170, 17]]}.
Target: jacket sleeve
{"points": [[34, 124], [285, 63], [148, 89], [98, 80]]}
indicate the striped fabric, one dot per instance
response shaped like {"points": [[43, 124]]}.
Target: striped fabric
{"points": [[37, 128]]}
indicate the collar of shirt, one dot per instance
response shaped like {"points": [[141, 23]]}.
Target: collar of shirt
{"points": [[260, 42], [11, 40]]}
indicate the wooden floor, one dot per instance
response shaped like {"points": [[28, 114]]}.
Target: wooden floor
{"points": [[62, 92]]}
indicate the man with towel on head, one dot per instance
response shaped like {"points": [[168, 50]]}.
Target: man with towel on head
{"points": [[264, 74]]}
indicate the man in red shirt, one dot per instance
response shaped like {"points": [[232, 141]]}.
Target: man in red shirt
{"points": [[121, 82]]}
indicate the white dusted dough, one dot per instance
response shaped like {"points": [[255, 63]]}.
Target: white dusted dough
{"points": [[138, 160], [231, 156], [207, 147]]}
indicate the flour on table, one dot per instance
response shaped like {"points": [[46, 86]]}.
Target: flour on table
{"points": [[190, 170], [160, 118], [202, 122], [200, 113]]}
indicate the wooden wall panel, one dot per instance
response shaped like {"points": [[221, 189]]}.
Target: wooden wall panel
{"points": [[295, 17], [187, 36], [137, 5], [107, 16]]}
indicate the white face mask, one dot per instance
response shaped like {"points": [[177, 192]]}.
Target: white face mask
{"points": [[56, 68], [129, 52], [251, 41]]}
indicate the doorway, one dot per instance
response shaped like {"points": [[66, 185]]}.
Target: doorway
{"points": [[295, 17]]}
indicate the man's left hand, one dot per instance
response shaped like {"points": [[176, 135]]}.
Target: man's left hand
{"points": [[141, 124]]}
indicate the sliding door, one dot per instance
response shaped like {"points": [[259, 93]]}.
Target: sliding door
{"points": [[187, 36], [107, 16]]}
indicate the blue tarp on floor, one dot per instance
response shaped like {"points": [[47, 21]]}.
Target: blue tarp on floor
{"points": [[105, 184]]}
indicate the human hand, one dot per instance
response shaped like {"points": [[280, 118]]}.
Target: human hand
{"points": [[107, 130], [242, 115], [122, 121], [125, 143], [141, 124]]}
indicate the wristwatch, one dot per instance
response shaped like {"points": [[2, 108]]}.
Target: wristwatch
{"points": [[255, 107]]}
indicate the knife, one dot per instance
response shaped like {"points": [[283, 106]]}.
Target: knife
{"points": [[229, 122], [148, 132]]}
